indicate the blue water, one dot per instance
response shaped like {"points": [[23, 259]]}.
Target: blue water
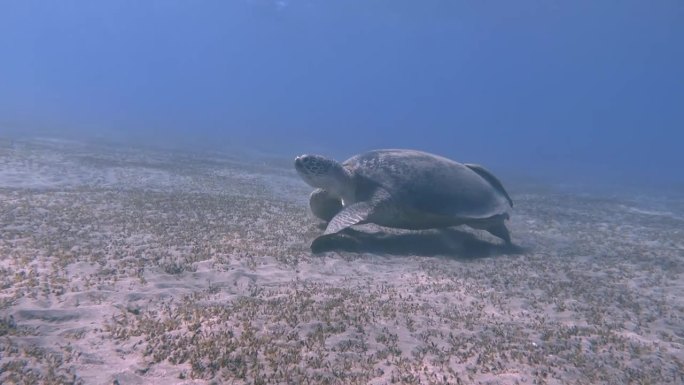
{"points": [[591, 92]]}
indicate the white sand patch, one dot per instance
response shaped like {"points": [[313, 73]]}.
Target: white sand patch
{"points": [[637, 210]]}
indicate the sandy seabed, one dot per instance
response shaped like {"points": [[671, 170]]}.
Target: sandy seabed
{"points": [[129, 265]]}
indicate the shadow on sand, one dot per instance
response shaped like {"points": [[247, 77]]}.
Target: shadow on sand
{"points": [[447, 242]]}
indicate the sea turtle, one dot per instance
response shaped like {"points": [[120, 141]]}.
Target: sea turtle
{"points": [[404, 189]]}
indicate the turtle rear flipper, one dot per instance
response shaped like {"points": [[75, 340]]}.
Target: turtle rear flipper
{"points": [[489, 177], [501, 231]]}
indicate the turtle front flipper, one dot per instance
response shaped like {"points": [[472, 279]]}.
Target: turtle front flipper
{"points": [[354, 214], [369, 210]]}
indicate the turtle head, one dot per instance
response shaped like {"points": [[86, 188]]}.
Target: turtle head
{"points": [[327, 174]]}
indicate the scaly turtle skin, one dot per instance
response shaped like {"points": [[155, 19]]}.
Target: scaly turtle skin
{"points": [[404, 189]]}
